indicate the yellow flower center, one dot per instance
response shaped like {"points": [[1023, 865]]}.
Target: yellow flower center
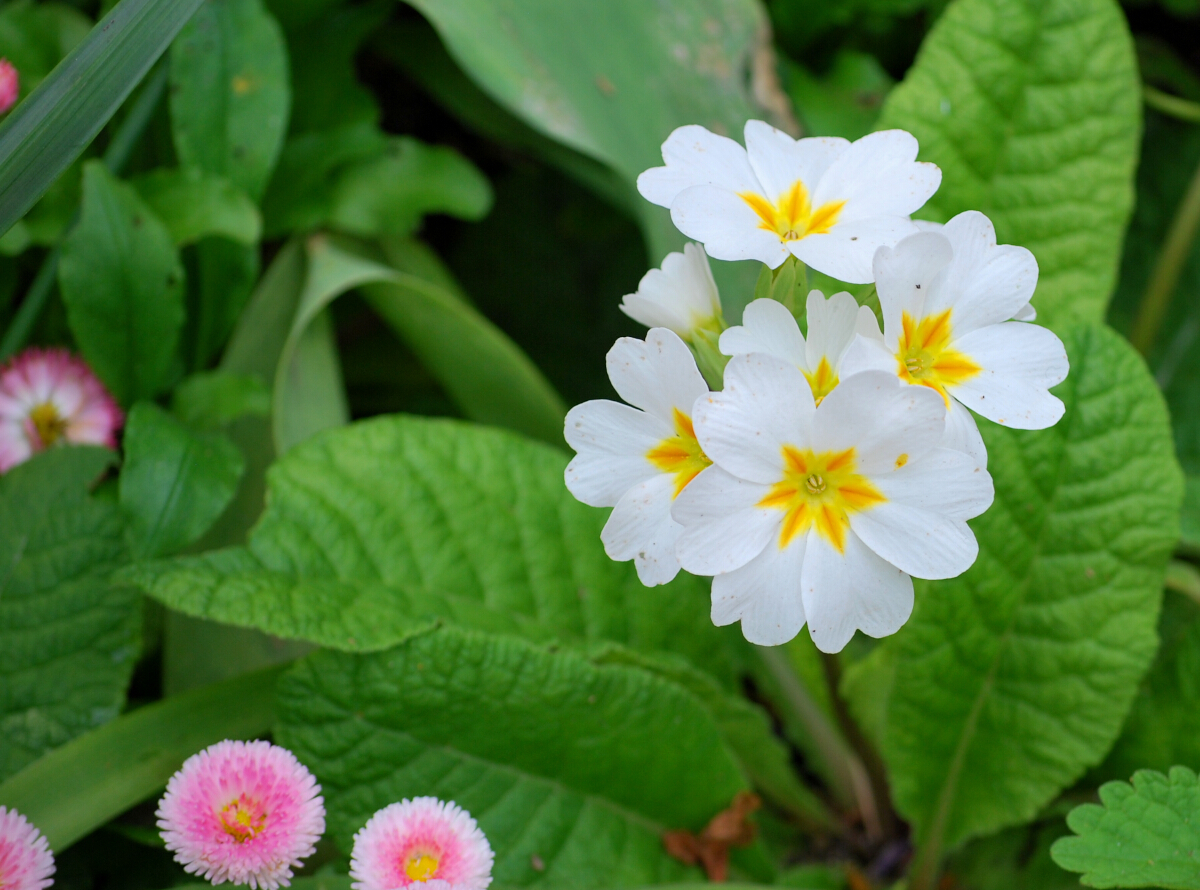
{"points": [[924, 355], [48, 423], [822, 381], [420, 866], [680, 454], [243, 819], [820, 491], [792, 217]]}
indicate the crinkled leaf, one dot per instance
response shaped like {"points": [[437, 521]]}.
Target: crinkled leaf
{"points": [[193, 205], [1012, 679], [579, 765], [68, 640], [1144, 834], [1032, 110]]}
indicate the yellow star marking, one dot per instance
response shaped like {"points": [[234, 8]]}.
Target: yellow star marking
{"points": [[822, 381], [792, 216], [924, 355], [680, 454]]}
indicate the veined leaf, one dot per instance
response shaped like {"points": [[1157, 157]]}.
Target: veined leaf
{"points": [[554, 756], [1032, 110], [194, 205]]}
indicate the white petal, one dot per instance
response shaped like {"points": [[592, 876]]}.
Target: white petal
{"points": [[722, 528], [830, 327], [944, 481], [682, 295], [928, 226], [845, 252], [657, 375], [854, 590], [694, 156], [985, 283], [904, 277], [867, 354], [1025, 313], [641, 528], [962, 433], [726, 225], [867, 325], [765, 405], [878, 175], [612, 440], [881, 418], [923, 543], [766, 327], [1020, 362], [764, 595], [778, 160]]}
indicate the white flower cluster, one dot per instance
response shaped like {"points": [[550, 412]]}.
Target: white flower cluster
{"points": [[833, 467]]}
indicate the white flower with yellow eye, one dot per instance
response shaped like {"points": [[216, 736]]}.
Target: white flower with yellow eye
{"points": [[820, 514], [768, 327], [681, 296], [951, 299], [829, 202], [637, 460]]}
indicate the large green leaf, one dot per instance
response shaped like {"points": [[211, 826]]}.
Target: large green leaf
{"points": [[579, 765], [380, 530], [35, 37], [194, 205], [1032, 110], [68, 640], [230, 93], [122, 284], [1142, 835], [1009, 681]]}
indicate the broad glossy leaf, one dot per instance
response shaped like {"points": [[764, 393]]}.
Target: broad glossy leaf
{"points": [[556, 757], [122, 283], [1012, 679], [230, 93], [193, 205], [68, 640], [1141, 835], [175, 482], [1032, 110]]}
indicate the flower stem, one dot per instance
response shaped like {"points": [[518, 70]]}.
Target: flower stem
{"points": [[1183, 109]]}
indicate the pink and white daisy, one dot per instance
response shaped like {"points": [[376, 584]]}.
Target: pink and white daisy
{"points": [[424, 841], [243, 812], [10, 85], [48, 397], [26, 862]]}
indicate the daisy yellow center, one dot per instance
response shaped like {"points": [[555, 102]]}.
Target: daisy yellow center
{"points": [[49, 424], [924, 355], [680, 454], [420, 866], [820, 491], [243, 819], [792, 217], [822, 381]]}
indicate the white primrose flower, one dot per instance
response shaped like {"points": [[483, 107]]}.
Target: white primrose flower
{"points": [[829, 202], [637, 460], [1025, 313], [769, 327], [821, 513], [950, 299], [681, 296]]}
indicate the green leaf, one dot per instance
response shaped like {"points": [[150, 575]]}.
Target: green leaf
{"points": [[214, 399], [194, 205], [175, 482], [1032, 110], [554, 756], [1141, 835], [35, 37], [844, 102], [230, 93], [68, 640], [1189, 530], [42, 136], [1012, 679], [221, 277], [380, 530], [1016, 858], [75, 789], [122, 284]]}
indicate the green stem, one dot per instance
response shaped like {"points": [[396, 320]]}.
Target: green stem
{"points": [[1183, 577], [74, 789], [1167, 268], [116, 156], [1183, 109]]}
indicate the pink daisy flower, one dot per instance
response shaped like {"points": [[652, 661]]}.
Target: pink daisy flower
{"points": [[10, 85], [47, 397], [26, 862], [244, 812], [421, 841]]}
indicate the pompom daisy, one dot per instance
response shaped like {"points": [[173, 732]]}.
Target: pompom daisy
{"points": [[421, 841], [26, 862], [244, 812], [10, 85], [48, 397], [681, 296], [829, 202], [638, 459]]}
